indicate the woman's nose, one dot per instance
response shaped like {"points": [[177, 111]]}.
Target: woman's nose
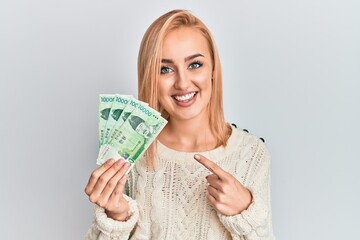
{"points": [[182, 81]]}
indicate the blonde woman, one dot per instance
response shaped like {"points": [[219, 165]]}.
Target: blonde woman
{"points": [[202, 178]]}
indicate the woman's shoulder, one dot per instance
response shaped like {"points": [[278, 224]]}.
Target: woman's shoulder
{"points": [[244, 135], [250, 148], [242, 138]]}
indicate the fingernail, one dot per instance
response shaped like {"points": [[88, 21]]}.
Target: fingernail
{"points": [[120, 161], [197, 157]]}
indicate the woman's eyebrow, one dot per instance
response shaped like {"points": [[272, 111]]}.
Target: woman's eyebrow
{"points": [[193, 56], [165, 60]]}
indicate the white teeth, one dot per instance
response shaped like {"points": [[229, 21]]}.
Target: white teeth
{"points": [[185, 97]]}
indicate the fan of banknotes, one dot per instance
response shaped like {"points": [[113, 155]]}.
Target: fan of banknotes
{"points": [[127, 127]]}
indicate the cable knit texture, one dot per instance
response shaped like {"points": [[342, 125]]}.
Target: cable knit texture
{"points": [[169, 202]]}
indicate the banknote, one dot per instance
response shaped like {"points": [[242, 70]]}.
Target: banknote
{"points": [[105, 103], [120, 103], [129, 108], [139, 129]]}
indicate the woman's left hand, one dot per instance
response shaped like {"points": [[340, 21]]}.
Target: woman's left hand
{"points": [[225, 193]]}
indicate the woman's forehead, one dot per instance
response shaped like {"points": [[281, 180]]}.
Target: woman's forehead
{"points": [[183, 42]]}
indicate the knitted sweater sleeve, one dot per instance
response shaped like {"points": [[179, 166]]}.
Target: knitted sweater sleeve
{"points": [[254, 223], [104, 228]]}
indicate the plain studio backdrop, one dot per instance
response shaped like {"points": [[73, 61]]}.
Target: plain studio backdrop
{"points": [[291, 76]]}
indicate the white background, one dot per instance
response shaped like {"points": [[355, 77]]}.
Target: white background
{"points": [[291, 75]]}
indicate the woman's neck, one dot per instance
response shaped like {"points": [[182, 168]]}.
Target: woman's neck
{"points": [[192, 135]]}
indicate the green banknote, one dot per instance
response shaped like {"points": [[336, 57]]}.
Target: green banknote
{"points": [[105, 103], [120, 102], [130, 107], [135, 135]]}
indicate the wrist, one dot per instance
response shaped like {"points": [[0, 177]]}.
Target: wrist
{"points": [[247, 200], [122, 217]]}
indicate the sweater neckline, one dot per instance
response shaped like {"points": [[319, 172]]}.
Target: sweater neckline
{"points": [[170, 154]]}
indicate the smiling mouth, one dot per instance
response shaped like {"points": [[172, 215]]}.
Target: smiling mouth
{"points": [[184, 98]]}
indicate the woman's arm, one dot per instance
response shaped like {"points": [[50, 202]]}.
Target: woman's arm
{"points": [[254, 223], [105, 228]]}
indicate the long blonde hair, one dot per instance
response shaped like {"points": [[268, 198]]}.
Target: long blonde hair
{"points": [[149, 64]]}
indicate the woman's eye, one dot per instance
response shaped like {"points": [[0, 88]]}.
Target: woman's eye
{"points": [[165, 70], [195, 65]]}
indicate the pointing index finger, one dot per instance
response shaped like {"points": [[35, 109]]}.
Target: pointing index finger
{"points": [[213, 167]]}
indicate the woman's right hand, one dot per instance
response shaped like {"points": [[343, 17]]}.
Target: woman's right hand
{"points": [[105, 188]]}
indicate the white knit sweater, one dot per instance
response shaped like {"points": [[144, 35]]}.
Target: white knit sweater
{"points": [[169, 202]]}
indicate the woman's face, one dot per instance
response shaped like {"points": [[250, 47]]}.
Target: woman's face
{"points": [[185, 74]]}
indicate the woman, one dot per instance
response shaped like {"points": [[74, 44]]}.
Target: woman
{"points": [[202, 178]]}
